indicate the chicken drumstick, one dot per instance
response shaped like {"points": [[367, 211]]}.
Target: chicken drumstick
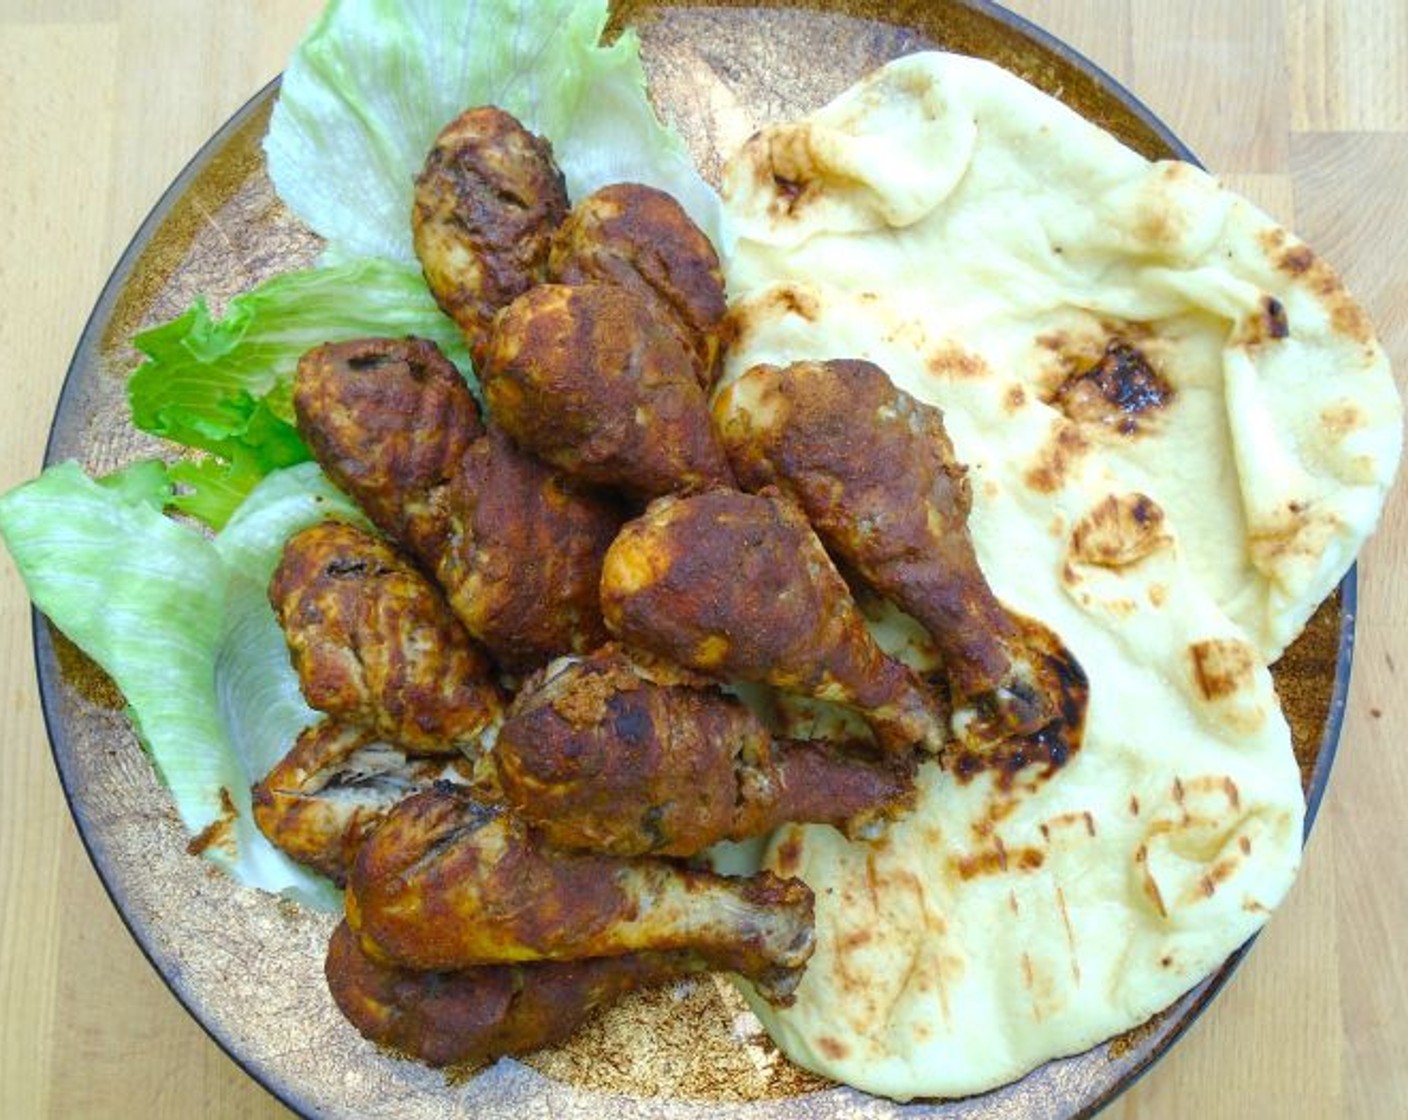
{"points": [[516, 547], [598, 756], [590, 379], [486, 204], [877, 477], [374, 642], [737, 586], [448, 882], [388, 420], [641, 238], [472, 1016]]}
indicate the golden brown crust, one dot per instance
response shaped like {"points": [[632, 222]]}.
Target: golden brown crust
{"points": [[388, 420], [590, 380], [374, 642], [641, 238], [486, 203], [600, 759]]}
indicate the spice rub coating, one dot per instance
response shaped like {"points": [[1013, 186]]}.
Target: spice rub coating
{"points": [[590, 379], [641, 238], [374, 642], [598, 756], [522, 555], [739, 587], [486, 204], [388, 421]]}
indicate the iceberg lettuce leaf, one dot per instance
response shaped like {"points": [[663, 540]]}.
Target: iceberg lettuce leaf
{"points": [[373, 81], [181, 623]]}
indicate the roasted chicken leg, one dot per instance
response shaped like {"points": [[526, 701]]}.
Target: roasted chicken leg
{"points": [[448, 882], [598, 756], [875, 472], [590, 379], [641, 238], [738, 586], [375, 643], [486, 204], [516, 547], [334, 787], [472, 1016], [388, 420]]}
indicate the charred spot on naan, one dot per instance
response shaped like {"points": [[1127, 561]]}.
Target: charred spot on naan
{"points": [[951, 361], [786, 169], [1162, 221], [1119, 532], [1226, 672], [1057, 457], [1198, 841], [1310, 273], [1342, 419], [1222, 666], [998, 858], [1120, 391], [1272, 324], [745, 319], [1297, 529], [1105, 385]]}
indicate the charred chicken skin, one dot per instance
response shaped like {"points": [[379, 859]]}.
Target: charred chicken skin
{"points": [[738, 586], [641, 238], [374, 642], [388, 420], [334, 787], [473, 1016], [516, 548], [876, 474], [486, 204], [591, 380], [449, 882], [597, 756]]}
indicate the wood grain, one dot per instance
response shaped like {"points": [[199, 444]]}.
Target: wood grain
{"points": [[1303, 104]]}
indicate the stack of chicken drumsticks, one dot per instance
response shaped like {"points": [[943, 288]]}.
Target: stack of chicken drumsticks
{"points": [[529, 662]]}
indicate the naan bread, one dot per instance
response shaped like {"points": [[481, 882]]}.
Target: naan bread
{"points": [[1027, 239], [1179, 429]]}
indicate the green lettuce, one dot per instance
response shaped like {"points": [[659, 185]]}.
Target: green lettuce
{"points": [[223, 386], [182, 624], [373, 81]]}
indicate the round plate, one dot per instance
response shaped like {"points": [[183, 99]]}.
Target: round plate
{"points": [[247, 965]]}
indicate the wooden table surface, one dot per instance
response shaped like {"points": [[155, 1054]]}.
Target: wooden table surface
{"points": [[1302, 104]]}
